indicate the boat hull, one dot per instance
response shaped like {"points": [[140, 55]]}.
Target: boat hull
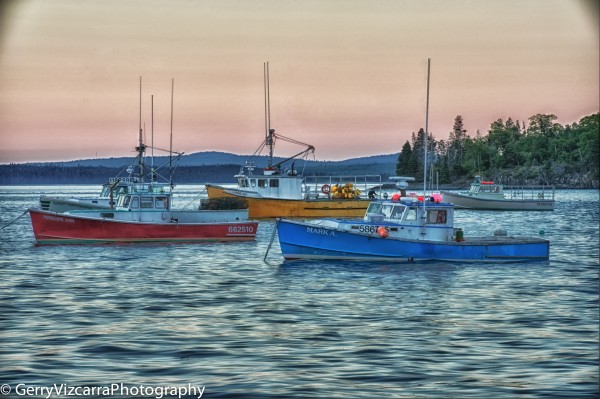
{"points": [[56, 228], [311, 208], [468, 202], [303, 240]]}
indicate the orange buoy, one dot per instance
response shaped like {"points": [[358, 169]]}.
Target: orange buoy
{"points": [[382, 231], [396, 197]]}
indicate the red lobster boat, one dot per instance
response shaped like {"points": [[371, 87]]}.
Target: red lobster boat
{"points": [[142, 216]]}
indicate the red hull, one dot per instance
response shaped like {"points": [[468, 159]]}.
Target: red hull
{"points": [[52, 228]]}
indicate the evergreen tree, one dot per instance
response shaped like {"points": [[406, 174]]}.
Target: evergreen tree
{"points": [[403, 166]]}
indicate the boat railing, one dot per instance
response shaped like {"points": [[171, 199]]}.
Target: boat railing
{"points": [[321, 186], [529, 192]]}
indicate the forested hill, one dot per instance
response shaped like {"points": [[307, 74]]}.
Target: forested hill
{"points": [[539, 152], [203, 167]]}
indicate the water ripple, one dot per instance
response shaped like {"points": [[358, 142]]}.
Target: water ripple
{"points": [[216, 315]]}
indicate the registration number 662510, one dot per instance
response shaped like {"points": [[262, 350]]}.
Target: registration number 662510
{"points": [[241, 229]]}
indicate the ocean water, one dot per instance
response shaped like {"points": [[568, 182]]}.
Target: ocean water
{"points": [[217, 316]]}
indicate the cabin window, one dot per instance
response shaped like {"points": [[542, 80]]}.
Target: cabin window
{"points": [[146, 202], [374, 207], [124, 201], [411, 214], [387, 211], [242, 182], [262, 182], [397, 212], [436, 217], [253, 182], [135, 203], [273, 183], [161, 203]]}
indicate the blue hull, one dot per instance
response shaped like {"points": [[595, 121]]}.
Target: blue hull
{"points": [[300, 240]]}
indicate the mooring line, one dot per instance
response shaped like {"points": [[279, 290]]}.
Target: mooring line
{"points": [[272, 238], [14, 220]]}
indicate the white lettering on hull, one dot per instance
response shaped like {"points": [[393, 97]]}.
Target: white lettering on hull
{"points": [[58, 219], [323, 232]]}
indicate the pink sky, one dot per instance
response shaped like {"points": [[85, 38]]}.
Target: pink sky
{"points": [[348, 77]]}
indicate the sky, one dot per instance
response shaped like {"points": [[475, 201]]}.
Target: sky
{"points": [[346, 76]]}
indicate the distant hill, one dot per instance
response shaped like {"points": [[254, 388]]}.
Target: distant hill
{"points": [[201, 167], [207, 158]]}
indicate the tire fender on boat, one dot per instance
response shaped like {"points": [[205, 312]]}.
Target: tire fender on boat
{"points": [[326, 188]]}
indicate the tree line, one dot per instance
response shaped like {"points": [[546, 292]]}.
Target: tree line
{"points": [[541, 152]]}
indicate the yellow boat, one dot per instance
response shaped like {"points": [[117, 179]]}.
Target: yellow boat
{"points": [[323, 205]]}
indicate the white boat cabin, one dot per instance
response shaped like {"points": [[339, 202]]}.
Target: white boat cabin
{"points": [[147, 206], [411, 220], [486, 189], [290, 185], [144, 201], [271, 185]]}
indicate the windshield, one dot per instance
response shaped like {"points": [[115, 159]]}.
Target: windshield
{"points": [[374, 207]]}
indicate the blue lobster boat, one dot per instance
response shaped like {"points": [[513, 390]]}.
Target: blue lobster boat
{"points": [[403, 229]]}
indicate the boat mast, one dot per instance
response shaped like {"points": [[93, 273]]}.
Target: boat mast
{"points": [[268, 131], [140, 149], [425, 138], [152, 139], [171, 139]]}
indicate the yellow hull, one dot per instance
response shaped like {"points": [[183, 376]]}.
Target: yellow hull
{"points": [[316, 208]]}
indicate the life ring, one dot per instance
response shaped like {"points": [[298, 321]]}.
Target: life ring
{"points": [[326, 189]]}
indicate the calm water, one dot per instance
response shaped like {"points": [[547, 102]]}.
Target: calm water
{"points": [[216, 315]]}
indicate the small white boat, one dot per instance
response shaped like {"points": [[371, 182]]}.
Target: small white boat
{"points": [[487, 195]]}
